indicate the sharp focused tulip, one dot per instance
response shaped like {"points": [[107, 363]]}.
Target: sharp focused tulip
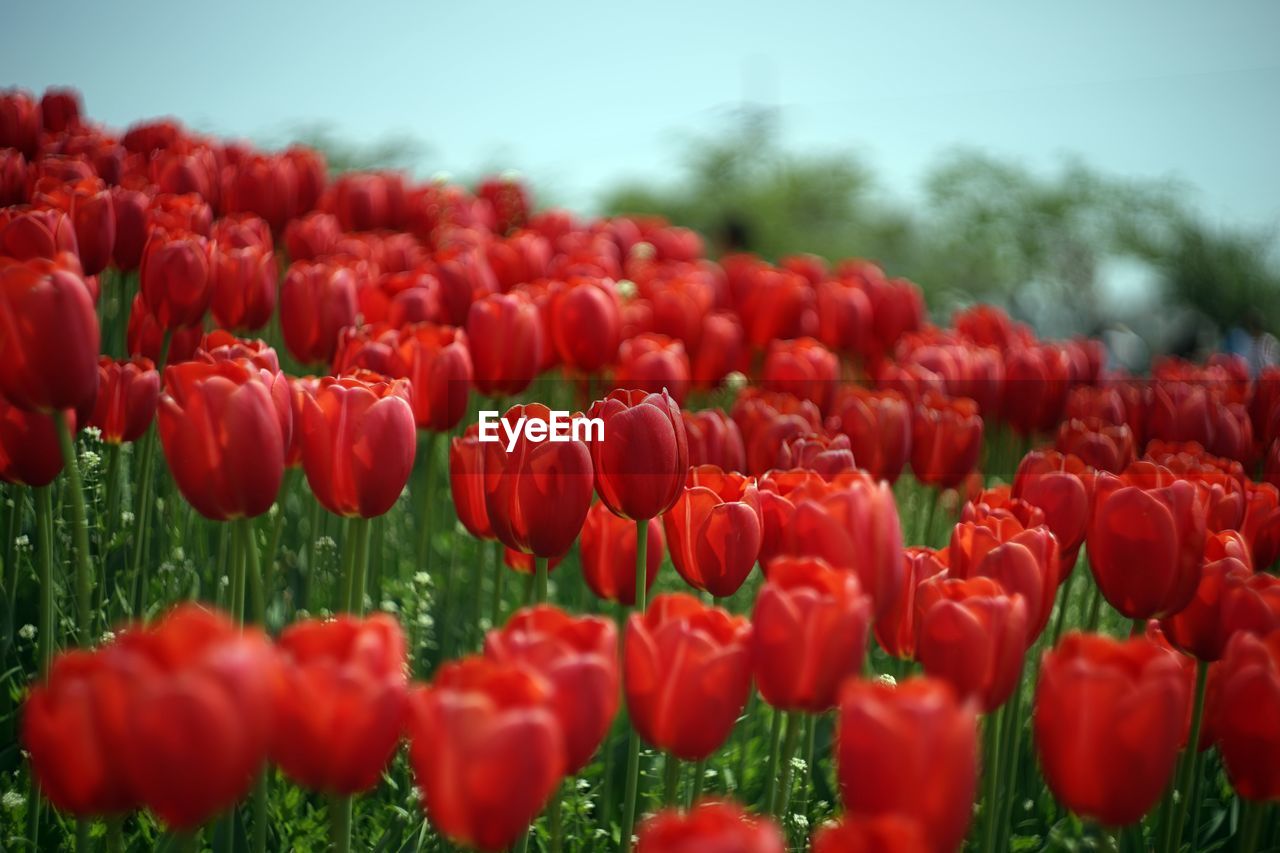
{"points": [[487, 750], [809, 633], [358, 443], [504, 332], [341, 702], [709, 826], [1245, 711], [714, 529], [537, 495], [128, 393], [686, 674], [1109, 716], [909, 750], [946, 437], [1146, 540], [316, 301], [48, 337], [578, 656], [224, 427], [973, 635], [883, 834], [641, 463], [607, 549], [176, 278]]}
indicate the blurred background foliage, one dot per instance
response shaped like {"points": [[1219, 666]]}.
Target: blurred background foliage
{"points": [[1070, 251]]}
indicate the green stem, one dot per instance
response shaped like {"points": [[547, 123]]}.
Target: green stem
{"points": [[1189, 777], [1095, 610], [540, 573], [44, 535], [340, 823], [991, 778], [260, 795], [428, 503], [633, 748], [699, 776], [115, 834], [1063, 604], [782, 796], [499, 575], [1011, 753], [141, 518], [360, 572], [249, 542], [84, 571], [83, 825], [313, 539], [235, 596], [1251, 826], [771, 774], [557, 820], [670, 780]]}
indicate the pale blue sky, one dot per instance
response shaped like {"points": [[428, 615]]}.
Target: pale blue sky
{"points": [[578, 95]]}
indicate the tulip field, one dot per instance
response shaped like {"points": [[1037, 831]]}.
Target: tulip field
{"points": [[303, 549]]}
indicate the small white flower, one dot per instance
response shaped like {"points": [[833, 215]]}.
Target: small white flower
{"points": [[801, 821], [425, 620], [799, 765], [126, 518], [415, 793], [582, 784], [389, 606], [643, 251], [107, 637], [887, 679], [736, 381], [303, 613], [22, 542], [626, 288], [90, 460], [160, 504], [274, 511], [178, 554], [27, 632], [224, 581], [422, 578], [166, 567], [13, 800], [326, 543], [93, 432]]}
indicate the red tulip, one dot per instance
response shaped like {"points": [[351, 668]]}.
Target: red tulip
{"points": [[723, 827], [888, 833], [802, 367], [946, 437], [608, 552], [437, 364], [1146, 540], [1261, 525], [641, 463], [1221, 482], [973, 635], [1229, 599], [853, 526], [358, 442], [653, 363], [844, 316], [175, 278], [1180, 411], [224, 427], [714, 439], [1038, 379], [578, 657], [714, 529], [827, 455], [48, 337], [1024, 561], [34, 233], [1099, 444], [910, 750], [1246, 708], [128, 392], [720, 350], [1061, 486], [20, 121], [767, 420], [131, 211], [145, 336], [30, 448], [878, 424], [809, 633], [1109, 716], [466, 482], [198, 713], [774, 305], [505, 335], [75, 728], [586, 324], [244, 286], [487, 750], [538, 493], [312, 236], [896, 628], [221, 345], [687, 673], [88, 203], [341, 703], [13, 177], [317, 300]]}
